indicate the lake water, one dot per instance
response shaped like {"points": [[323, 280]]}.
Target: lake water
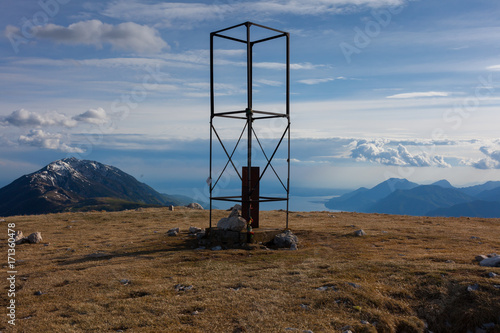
{"points": [[300, 204]]}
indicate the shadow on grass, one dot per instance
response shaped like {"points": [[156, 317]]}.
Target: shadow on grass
{"points": [[181, 244]]}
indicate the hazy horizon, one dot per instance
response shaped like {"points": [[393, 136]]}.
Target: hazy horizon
{"points": [[380, 88]]}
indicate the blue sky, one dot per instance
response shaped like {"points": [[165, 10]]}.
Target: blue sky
{"points": [[380, 88]]}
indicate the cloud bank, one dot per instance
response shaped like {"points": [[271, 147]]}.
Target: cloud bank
{"points": [[420, 94], [41, 138], [375, 151], [491, 161], [127, 36]]}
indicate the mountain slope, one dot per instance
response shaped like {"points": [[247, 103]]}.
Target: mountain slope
{"points": [[67, 182], [485, 209], [476, 189], [419, 200], [362, 199]]}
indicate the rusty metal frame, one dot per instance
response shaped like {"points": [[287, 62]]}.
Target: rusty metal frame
{"points": [[249, 115]]}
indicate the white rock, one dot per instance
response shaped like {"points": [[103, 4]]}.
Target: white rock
{"points": [[171, 208], [194, 230], [195, 205], [235, 207], [491, 262], [360, 233], [286, 239], [173, 232], [19, 237], [233, 222], [35, 238]]}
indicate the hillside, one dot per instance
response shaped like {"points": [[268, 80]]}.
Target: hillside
{"points": [[419, 200], [65, 184], [399, 196], [362, 199], [111, 272]]}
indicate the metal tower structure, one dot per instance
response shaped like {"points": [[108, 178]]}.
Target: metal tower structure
{"points": [[251, 175]]}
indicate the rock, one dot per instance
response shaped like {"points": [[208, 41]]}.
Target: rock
{"points": [[354, 285], [326, 287], [492, 275], [286, 239], [38, 293], [35, 238], [181, 287], [2, 220], [359, 233], [235, 207], [473, 287], [481, 257], [217, 248], [194, 230], [19, 237], [195, 205], [125, 282], [491, 262], [171, 208], [173, 232], [293, 247], [233, 222]]}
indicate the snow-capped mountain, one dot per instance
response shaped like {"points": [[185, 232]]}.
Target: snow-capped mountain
{"points": [[69, 182]]}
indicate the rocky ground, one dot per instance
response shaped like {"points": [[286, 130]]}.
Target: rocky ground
{"points": [[121, 272]]}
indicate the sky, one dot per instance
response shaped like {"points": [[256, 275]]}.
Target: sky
{"points": [[379, 89]]}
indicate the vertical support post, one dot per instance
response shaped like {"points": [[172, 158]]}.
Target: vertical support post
{"points": [[247, 195], [288, 119], [212, 111]]}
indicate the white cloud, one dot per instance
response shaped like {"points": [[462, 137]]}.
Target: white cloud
{"points": [[493, 68], [269, 82], [93, 116], [491, 161], [22, 118], [40, 139], [420, 94], [124, 36], [185, 15], [375, 151], [315, 81]]}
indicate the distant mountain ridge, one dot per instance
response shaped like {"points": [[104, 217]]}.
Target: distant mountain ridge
{"points": [[402, 197], [73, 184]]}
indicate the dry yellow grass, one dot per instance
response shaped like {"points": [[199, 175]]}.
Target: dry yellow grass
{"points": [[406, 273]]}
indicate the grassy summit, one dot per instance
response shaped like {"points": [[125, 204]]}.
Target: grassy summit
{"points": [[109, 272]]}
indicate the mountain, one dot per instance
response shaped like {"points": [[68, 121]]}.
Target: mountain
{"points": [[485, 209], [443, 183], [70, 183], [476, 189], [490, 195], [362, 199], [400, 196], [419, 200]]}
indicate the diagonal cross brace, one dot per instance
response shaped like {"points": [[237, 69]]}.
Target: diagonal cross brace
{"points": [[262, 148], [230, 157]]}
